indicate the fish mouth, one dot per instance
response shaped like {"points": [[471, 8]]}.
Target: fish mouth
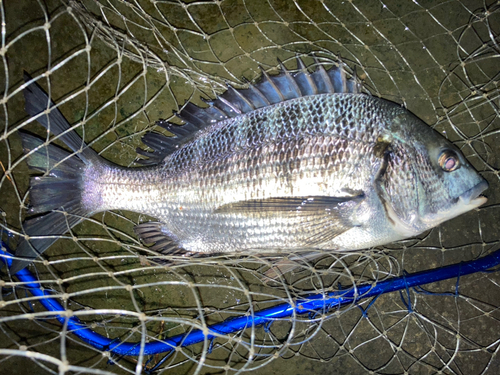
{"points": [[473, 197]]}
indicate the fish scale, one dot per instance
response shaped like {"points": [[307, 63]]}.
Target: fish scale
{"points": [[299, 161]]}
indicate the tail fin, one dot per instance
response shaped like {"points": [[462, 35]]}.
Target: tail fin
{"points": [[59, 190]]}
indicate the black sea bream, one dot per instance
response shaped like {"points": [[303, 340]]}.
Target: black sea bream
{"points": [[298, 161]]}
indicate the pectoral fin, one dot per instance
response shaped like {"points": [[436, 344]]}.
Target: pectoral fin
{"points": [[317, 219], [310, 204]]}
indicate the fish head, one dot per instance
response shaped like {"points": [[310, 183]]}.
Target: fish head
{"points": [[435, 181], [454, 188]]}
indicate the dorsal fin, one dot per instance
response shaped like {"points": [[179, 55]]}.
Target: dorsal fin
{"points": [[234, 102]]}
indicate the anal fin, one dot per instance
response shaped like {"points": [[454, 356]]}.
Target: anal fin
{"points": [[152, 233]]}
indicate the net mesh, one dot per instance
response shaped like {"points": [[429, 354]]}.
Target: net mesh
{"points": [[116, 67]]}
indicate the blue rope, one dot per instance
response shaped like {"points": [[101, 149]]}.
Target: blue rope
{"points": [[313, 303]]}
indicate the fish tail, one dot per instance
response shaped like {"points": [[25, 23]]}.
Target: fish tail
{"points": [[56, 195]]}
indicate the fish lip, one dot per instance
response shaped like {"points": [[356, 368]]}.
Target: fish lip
{"points": [[472, 196]]}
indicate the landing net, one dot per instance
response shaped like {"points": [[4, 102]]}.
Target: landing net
{"points": [[118, 66]]}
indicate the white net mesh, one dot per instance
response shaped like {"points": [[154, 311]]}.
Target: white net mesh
{"points": [[118, 66]]}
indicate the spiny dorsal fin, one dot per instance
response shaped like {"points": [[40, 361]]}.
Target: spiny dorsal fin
{"points": [[234, 102]]}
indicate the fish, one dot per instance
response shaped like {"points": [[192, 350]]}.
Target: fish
{"points": [[302, 160]]}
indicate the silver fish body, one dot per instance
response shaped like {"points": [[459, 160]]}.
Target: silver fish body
{"points": [[333, 170], [312, 172]]}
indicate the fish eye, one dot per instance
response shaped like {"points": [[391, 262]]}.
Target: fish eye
{"points": [[449, 161]]}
